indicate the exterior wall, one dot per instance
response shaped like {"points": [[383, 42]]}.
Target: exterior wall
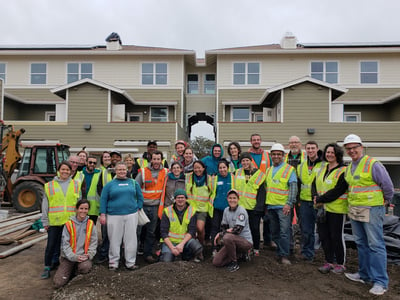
{"points": [[370, 113], [200, 103], [393, 110], [25, 112]]}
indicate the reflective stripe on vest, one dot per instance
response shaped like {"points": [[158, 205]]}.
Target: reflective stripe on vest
{"points": [[200, 197], [307, 176], [248, 190], [72, 232], [93, 197], [277, 185], [265, 162], [363, 190], [178, 230], [152, 188]]}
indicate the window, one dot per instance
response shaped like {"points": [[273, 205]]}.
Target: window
{"points": [[258, 117], [240, 114], [325, 71], [193, 84], [209, 84], [352, 117], [45, 162], [50, 116], [134, 117], [246, 73], [369, 72], [77, 71], [3, 71], [154, 73], [38, 73], [159, 114]]}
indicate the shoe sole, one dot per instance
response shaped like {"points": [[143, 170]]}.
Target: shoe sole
{"points": [[354, 280]]}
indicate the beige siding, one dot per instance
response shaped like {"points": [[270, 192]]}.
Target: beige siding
{"points": [[34, 94], [200, 103], [394, 110], [370, 112], [366, 94], [10, 110], [166, 95]]}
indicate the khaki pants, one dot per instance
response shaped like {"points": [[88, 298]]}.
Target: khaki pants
{"points": [[66, 269], [233, 244]]}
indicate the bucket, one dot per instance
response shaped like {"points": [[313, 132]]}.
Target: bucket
{"points": [[3, 214]]}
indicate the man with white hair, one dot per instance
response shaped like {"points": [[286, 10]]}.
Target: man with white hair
{"points": [[369, 189]]}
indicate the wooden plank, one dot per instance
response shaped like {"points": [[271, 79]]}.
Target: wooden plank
{"points": [[22, 246], [20, 219], [21, 216], [27, 224]]}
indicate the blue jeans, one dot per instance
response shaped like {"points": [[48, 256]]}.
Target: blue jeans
{"points": [[371, 247], [152, 214], [280, 230], [307, 225], [189, 250]]}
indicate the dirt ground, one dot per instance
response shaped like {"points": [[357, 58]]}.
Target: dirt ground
{"points": [[261, 278]]}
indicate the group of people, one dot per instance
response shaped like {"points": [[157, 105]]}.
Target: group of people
{"points": [[220, 201]]}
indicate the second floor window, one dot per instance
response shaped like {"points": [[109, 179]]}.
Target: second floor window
{"points": [[369, 72], [240, 114], [193, 84], [154, 73], [246, 73], [38, 73], [325, 71], [77, 71], [159, 114], [3, 71], [209, 84]]}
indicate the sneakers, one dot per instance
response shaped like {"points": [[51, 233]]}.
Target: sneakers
{"points": [[199, 258], [46, 273], [112, 268], [285, 261], [256, 252], [150, 259], [354, 277], [326, 268], [233, 266], [377, 290], [339, 269], [214, 253], [132, 268]]}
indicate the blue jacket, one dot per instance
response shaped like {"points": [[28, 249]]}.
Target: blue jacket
{"points": [[211, 161]]}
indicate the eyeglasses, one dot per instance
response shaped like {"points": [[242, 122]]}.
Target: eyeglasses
{"points": [[352, 148], [91, 162], [74, 162]]}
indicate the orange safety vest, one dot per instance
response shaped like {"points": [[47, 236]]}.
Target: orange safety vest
{"points": [[162, 199], [72, 232], [265, 162], [152, 188]]}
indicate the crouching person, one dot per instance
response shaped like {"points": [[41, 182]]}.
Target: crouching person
{"points": [[78, 245], [178, 230], [235, 235]]}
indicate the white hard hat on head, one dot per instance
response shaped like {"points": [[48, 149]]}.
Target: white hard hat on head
{"points": [[352, 138], [277, 147]]}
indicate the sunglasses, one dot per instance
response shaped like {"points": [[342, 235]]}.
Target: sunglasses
{"points": [[91, 162]]}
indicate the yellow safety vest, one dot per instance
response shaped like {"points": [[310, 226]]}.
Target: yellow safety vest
{"points": [[61, 207], [72, 233], [200, 197], [106, 177], [277, 186], [340, 205], [93, 197], [248, 190], [79, 176], [143, 162], [363, 190], [303, 157], [307, 177], [178, 230]]}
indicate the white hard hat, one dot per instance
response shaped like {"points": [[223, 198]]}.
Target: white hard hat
{"points": [[352, 138], [277, 147]]}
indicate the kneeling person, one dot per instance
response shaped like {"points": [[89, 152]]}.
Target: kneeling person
{"points": [[235, 234], [78, 245], [178, 229]]}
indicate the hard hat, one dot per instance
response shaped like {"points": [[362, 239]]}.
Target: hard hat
{"points": [[277, 147], [352, 138]]}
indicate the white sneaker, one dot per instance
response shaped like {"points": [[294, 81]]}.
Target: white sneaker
{"points": [[354, 277], [377, 290]]}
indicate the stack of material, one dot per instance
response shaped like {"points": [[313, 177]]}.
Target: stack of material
{"points": [[17, 232]]}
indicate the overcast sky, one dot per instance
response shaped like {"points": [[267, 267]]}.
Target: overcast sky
{"points": [[197, 24]]}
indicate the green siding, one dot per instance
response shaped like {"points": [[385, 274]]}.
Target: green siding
{"points": [[368, 94], [33, 94], [155, 94], [370, 112]]}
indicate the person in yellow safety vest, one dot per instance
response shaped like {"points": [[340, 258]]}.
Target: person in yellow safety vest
{"points": [[178, 230], [369, 189], [306, 172], [92, 176], [58, 205], [144, 161], [248, 181], [78, 246], [151, 179], [200, 191], [281, 183], [330, 228], [74, 160]]}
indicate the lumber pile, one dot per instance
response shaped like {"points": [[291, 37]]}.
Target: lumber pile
{"points": [[17, 232]]}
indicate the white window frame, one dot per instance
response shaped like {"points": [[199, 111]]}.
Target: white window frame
{"points": [[258, 114], [31, 74], [151, 117], [49, 114], [246, 73], [208, 84], [324, 72], [190, 91], [377, 71], [241, 120], [80, 73], [134, 114], [3, 75], [154, 74], [351, 114]]}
